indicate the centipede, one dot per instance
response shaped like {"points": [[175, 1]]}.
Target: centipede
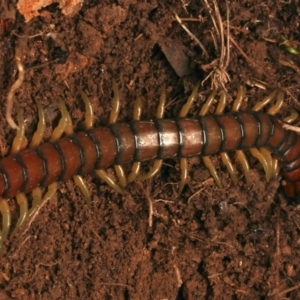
{"points": [[70, 154]]}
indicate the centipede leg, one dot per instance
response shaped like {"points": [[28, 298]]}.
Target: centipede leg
{"points": [[6, 221], [60, 128], [265, 156], [18, 144], [39, 200], [63, 126], [19, 140], [39, 133], [89, 120], [83, 188], [224, 156], [68, 130], [105, 177], [159, 115], [112, 120], [289, 119], [212, 170], [239, 153], [23, 203], [207, 161], [137, 112]]}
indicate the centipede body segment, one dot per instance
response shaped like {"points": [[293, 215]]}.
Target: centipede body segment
{"points": [[95, 149]]}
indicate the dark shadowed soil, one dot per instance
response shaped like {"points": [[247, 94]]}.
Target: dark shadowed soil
{"points": [[241, 242]]}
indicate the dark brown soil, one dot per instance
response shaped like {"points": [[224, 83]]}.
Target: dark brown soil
{"points": [[238, 243]]}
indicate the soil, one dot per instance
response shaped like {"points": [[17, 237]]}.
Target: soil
{"points": [[241, 242]]}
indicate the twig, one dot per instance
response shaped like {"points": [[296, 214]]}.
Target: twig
{"points": [[147, 195], [11, 93], [291, 127], [191, 35]]}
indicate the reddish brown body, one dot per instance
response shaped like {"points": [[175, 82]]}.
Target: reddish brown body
{"points": [[100, 148]]}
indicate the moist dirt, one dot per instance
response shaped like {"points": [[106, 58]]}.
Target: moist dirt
{"points": [[241, 242]]}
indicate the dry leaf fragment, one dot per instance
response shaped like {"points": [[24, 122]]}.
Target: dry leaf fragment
{"points": [[30, 8]]}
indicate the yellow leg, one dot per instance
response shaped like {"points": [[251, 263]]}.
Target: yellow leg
{"points": [[263, 160], [19, 139], [289, 119], [83, 188], [230, 168], [204, 109], [60, 128], [224, 156], [184, 174], [221, 104], [39, 133], [112, 120], [89, 114], [187, 106], [239, 99], [115, 105], [245, 165], [121, 175], [153, 171], [6, 221], [162, 104], [212, 170], [292, 117], [38, 199], [18, 144], [239, 153], [137, 112], [23, 203], [259, 105], [105, 177], [157, 162], [276, 108], [88, 123], [135, 169]]}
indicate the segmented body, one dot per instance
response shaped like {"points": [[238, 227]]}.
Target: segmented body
{"points": [[95, 149], [120, 143]]}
